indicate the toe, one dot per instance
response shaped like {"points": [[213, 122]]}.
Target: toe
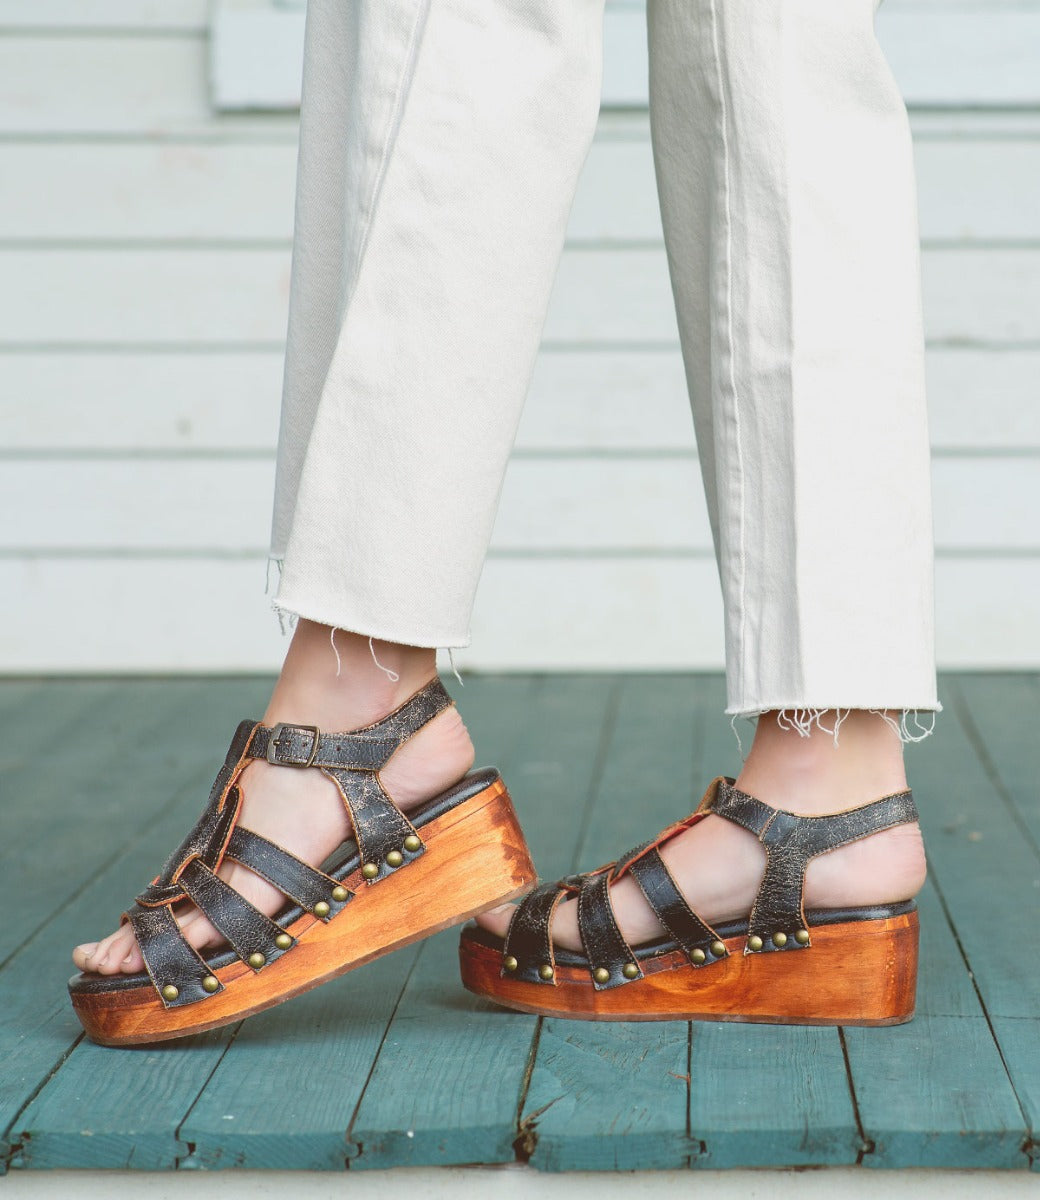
{"points": [[111, 951], [496, 920], [83, 954]]}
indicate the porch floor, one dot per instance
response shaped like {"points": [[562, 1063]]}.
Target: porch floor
{"points": [[395, 1065]]}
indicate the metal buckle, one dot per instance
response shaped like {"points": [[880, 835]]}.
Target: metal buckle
{"points": [[272, 745]]}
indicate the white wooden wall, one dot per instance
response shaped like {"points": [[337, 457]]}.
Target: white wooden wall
{"points": [[144, 254]]}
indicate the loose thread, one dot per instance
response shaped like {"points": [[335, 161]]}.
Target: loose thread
{"points": [[332, 639], [454, 668], [391, 675]]}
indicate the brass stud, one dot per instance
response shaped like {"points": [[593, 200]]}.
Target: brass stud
{"points": [[801, 936], [256, 960], [170, 992], [718, 949], [394, 858], [601, 975], [412, 843], [510, 963], [630, 970], [698, 956], [211, 984], [321, 909], [339, 893], [283, 941], [370, 870], [545, 971], [754, 943], [780, 939]]}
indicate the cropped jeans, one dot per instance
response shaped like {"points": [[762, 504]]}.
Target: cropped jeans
{"points": [[440, 146]]}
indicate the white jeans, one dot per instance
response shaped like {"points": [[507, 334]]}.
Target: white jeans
{"points": [[440, 146]]}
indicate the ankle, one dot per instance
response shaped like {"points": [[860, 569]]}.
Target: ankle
{"points": [[820, 772], [339, 680]]}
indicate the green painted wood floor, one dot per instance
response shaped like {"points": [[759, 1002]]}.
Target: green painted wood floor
{"points": [[396, 1065]]}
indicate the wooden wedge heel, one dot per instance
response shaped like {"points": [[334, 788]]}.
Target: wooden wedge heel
{"points": [[397, 880], [781, 965]]}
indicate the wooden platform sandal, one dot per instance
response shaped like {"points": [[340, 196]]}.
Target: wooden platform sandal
{"points": [[781, 965], [398, 880]]}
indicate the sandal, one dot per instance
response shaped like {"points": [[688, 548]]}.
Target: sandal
{"points": [[859, 965], [398, 879]]}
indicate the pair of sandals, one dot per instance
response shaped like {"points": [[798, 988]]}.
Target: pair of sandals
{"points": [[402, 878]]}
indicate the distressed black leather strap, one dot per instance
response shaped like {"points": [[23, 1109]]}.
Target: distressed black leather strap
{"points": [[386, 838], [246, 929], [610, 957], [210, 832], [529, 939], [174, 967], [791, 841], [700, 943], [289, 874], [365, 749]]}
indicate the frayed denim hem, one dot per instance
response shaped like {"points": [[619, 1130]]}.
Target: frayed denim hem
{"points": [[909, 727]]}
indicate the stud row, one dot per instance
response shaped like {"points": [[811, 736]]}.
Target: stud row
{"points": [[394, 859]]}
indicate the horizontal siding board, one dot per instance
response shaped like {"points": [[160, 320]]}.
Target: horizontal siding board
{"points": [[203, 297], [580, 402], [148, 190], [940, 56], [556, 505], [114, 15], [107, 84], [160, 82], [970, 189], [210, 615]]}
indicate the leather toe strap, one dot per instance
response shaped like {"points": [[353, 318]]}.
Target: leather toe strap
{"points": [[611, 960], [300, 882], [700, 943], [251, 934], [528, 951], [174, 967]]}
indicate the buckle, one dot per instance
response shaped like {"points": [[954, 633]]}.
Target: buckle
{"points": [[276, 736]]}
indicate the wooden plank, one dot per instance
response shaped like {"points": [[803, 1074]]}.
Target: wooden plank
{"points": [[580, 401], [955, 1109], [213, 297], [265, 1084], [934, 1093], [283, 1095], [83, 1118], [1019, 1039], [39, 1028], [609, 1097], [999, 714], [37, 717], [770, 1096], [450, 1075], [48, 862], [615, 1096], [763, 1095], [984, 868]]}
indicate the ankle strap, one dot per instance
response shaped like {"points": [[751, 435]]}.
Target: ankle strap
{"points": [[791, 842], [365, 749]]}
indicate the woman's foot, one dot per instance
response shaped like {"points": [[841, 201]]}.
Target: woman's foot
{"points": [[718, 866], [302, 810]]}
